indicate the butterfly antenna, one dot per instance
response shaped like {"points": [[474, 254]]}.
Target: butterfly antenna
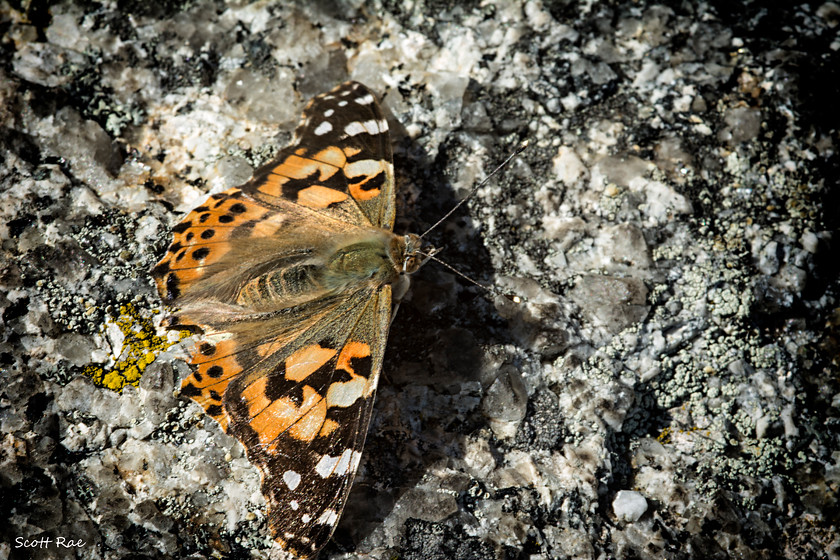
{"points": [[515, 153], [492, 291]]}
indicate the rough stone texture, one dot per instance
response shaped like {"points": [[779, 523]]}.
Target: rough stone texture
{"points": [[671, 228]]}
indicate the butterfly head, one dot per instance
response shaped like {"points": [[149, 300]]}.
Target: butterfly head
{"points": [[411, 253], [416, 253]]}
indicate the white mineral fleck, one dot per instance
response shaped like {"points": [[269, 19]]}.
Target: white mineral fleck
{"points": [[567, 166], [64, 32], [743, 124], [629, 506], [809, 241]]}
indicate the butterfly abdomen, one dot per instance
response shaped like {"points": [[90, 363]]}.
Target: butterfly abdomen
{"points": [[290, 284]]}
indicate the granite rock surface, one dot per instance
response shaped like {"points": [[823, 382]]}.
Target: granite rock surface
{"points": [[667, 388]]}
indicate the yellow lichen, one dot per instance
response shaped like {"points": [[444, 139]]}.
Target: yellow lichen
{"points": [[667, 434], [141, 344]]}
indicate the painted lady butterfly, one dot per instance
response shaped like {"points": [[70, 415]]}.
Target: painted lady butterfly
{"points": [[291, 277]]}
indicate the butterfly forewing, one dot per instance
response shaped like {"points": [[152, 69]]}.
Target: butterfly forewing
{"points": [[289, 277], [338, 168], [350, 119], [313, 456]]}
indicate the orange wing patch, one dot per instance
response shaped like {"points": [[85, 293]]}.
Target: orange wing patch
{"points": [[269, 419], [354, 356], [307, 361], [297, 167], [311, 422], [323, 168], [366, 178], [350, 352], [302, 419], [216, 366], [332, 156], [202, 239], [319, 197]]}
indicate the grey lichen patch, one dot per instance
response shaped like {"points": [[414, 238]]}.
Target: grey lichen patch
{"points": [[59, 268], [741, 475]]}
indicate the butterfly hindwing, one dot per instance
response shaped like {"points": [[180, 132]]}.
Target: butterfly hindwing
{"points": [[301, 409], [288, 276]]}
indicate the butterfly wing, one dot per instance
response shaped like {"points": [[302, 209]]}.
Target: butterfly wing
{"points": [[336, 159], [306, 421], [302, 409], [290, 365], [336, 174]]}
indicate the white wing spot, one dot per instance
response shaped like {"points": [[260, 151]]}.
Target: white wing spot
{"points": [[326, 465], [342, 103], [292, 479], [306, 518], [336, 465], [329, 517], [345, 394], [344, 462], [365, 100], [329, 112], [357, 458], [354, 128], [294, 504], [366, 167], [322, 128], [370, 127]]}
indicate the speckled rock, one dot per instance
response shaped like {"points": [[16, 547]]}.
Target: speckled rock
{"points": [[670, 231]]}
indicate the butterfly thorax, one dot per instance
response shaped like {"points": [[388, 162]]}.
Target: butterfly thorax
{"points": [[369, 261]]}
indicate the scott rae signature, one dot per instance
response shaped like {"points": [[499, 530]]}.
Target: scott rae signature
{"points": [[46, 542]]}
